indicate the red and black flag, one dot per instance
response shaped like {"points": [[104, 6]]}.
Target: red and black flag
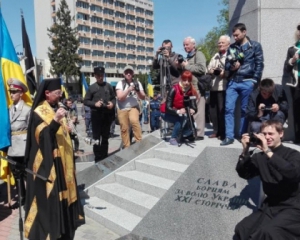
{"points": [[29, 63]]}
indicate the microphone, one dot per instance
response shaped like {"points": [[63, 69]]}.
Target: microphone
{"points": [[61, 105]]}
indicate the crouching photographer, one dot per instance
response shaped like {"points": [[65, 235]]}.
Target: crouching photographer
{"points": [[267, 102], [279, 169], [174, 109]]}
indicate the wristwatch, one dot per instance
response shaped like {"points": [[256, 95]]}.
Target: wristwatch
{"points": [[268, 151]]}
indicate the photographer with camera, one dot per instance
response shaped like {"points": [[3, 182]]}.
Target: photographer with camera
{"points": [[100, 97], [244, 66], [196, 64], [174, 110], [279, 170], [128, 92], [218, 89], [165, 52], [267, 102]]}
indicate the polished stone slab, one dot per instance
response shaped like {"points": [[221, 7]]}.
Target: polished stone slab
{"points": [[206, 202]]}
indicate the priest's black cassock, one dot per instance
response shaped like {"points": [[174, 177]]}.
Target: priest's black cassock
{"points": [[279, 216], [52, 210]]}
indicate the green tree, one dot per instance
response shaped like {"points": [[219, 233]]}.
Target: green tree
{"points": [[208, 45], [63, 52]]}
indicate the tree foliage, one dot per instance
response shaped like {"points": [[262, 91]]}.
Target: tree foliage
{"points": [[63, 53], [208, 45]]}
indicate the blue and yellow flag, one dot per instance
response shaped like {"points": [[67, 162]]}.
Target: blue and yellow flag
{"points": [[9, 68], [150, 87], [84, 86], [65, 93]]}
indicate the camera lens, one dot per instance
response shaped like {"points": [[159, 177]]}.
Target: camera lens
{"points": [[298, 27]]}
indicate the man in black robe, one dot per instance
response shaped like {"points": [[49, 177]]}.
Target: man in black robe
{"points": [[52, 209], [279, 170]]}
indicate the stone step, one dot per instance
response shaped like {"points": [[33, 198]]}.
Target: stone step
{"points": [[144, 182], [176, 154], [112, 217], [161, 168], [136, 202]]}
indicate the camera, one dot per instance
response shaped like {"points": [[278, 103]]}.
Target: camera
{"points": [[234, 57], [136, 86], [266, 108], [162, 49], [180, 58], [217, 71], [253, 139], [104, 104]]}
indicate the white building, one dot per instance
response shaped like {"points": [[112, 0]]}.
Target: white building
{"points": [[112, 33]]}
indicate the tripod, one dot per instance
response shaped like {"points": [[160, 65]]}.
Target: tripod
{"points": [[188, 120], [164, 87], [19, 170]]}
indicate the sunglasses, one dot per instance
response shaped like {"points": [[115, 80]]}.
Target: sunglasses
{"points": [[13, 91], [298, 27]]}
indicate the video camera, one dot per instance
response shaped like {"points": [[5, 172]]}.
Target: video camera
{"points": [[253, 139]]}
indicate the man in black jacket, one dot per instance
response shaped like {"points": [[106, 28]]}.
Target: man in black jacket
{"points": [[279, 170], [100, 97], [267, 102], [244, 66]]}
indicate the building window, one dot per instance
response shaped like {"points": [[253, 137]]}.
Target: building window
{"points": [[119, 14], [83, 51], [84, 40], [96, 8], [96, 19], [119, 4], [97, 31], [130, 7], [149, 13], [86, 63], [82, 5], [97, 42]]}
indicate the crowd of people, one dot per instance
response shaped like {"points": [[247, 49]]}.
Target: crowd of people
{"points": [[42, 134]]}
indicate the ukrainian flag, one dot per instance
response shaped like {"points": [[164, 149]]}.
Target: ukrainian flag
{"points": [[65, 93], [9, 68], [84, 86], [150, 87]]}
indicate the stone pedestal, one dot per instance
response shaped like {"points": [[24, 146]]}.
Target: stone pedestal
{"points": [[273, 24]]}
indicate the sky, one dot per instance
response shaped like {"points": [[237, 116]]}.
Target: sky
{"points": [[173, 19]]}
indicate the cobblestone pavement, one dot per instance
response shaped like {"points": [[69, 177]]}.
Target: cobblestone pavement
{"points": [[9, 219]]}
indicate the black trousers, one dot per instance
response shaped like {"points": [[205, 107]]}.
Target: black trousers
{"points": [[18, 174], [274, 223], [295, 93], [217, 112], [101, 130]]}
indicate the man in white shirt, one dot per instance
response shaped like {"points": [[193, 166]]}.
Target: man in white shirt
{"points": [[128, 91]]}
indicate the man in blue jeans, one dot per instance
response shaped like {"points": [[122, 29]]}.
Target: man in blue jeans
{"points": [[244, 66]]}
